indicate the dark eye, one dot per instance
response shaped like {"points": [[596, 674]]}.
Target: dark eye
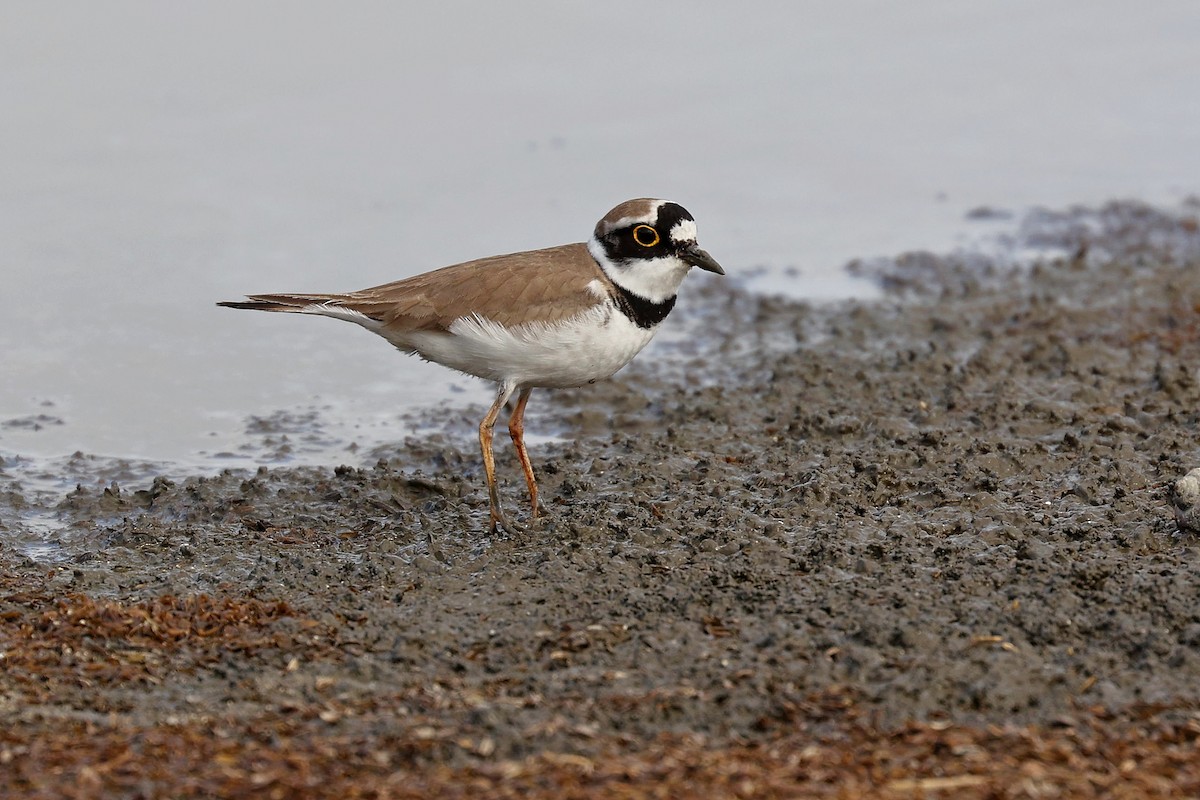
{"points": [[645, 236]]}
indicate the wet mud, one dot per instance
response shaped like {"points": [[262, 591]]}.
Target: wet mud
{"points": [[932, 543]]}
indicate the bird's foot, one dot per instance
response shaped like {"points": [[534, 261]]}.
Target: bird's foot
{"points": [[502, 522]]}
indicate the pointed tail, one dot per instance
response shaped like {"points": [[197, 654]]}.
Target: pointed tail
{"points": [[294, 303]]}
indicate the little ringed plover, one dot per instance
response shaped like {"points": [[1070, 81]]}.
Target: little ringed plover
{"points": [[560, 317]]}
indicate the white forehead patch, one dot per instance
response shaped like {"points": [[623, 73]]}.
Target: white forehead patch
{"points": [[684, 231]]}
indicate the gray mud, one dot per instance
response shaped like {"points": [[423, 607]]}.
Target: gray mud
{"points": [[950, 504]]}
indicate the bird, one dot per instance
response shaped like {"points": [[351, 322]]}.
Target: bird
{"points": [[560, 317]]}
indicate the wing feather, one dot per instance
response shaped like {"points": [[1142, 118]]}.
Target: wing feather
{"points": [[551, 285]]}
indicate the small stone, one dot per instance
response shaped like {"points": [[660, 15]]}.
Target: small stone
{"points": [[1185, 498]]}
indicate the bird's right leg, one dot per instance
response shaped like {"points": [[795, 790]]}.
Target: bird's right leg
{"points": [[487, 429]]}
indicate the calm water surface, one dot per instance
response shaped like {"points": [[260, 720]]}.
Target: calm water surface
{"points": [[157, 158]]}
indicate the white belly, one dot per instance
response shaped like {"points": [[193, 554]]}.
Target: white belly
{"points": [[588, 347]]}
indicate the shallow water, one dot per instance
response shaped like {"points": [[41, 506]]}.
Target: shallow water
{"points": [[157, 159]]}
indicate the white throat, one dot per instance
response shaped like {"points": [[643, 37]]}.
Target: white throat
{"points": [[656, 280]]}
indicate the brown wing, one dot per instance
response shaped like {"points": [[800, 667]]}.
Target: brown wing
{"points": [[548, 284]]}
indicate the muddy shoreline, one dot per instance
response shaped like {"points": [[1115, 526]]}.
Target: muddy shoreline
{"points": [[927, 516]]}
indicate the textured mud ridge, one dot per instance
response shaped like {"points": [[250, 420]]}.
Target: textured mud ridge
{"points": [[883, 536]]}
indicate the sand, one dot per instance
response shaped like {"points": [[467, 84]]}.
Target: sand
{"points": [[922, 546]]}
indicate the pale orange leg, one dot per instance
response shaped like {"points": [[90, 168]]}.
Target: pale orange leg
{"points": [[486, 431], [516, 429]]}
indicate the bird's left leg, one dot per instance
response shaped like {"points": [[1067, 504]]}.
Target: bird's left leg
{"points": [[498, 519]]}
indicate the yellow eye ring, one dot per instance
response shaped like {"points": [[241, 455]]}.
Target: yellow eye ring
{"points": [[646, 236]]}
